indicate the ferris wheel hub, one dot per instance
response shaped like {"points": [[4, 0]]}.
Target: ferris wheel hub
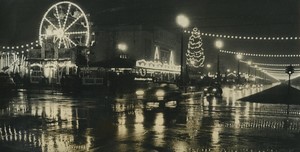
{"points": [[59, 33]]}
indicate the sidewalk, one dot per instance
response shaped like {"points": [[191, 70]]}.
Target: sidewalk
{"points": [[279, 94]]}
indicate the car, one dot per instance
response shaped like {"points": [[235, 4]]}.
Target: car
{"points": [[7, 84], [160, 92], [212, 91]]}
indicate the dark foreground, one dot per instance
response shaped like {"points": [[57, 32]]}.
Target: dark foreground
{"points": [[47, 121]]}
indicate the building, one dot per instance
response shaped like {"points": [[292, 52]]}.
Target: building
{"points": [[140, 42]]}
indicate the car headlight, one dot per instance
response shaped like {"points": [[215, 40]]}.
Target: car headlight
{"points": [[214, 90], [160, 93], [139, 92]]}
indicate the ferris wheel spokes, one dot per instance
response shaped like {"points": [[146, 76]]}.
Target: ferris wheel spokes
{"points": [[71, 41], [73, 22], [58, 16], [74, 33], [50, 23], [68, 11]]}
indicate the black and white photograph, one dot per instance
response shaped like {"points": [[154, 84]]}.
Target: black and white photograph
{"points": [[150, 76]]}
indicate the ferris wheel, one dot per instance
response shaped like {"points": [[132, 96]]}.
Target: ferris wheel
{"points": [[65, 25]]}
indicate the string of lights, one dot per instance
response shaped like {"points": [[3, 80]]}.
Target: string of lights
{"points": [[270, 64], [261, 55], [239, 37], [20, 47], [274, 71]]}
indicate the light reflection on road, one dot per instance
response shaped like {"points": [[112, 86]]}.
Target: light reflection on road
{"points": [[47, 122]]}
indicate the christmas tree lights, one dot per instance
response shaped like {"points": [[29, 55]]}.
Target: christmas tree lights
{"points": [[195, 53]]}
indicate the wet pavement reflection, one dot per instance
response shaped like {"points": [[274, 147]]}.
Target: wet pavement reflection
{"points": [[47, 121]]}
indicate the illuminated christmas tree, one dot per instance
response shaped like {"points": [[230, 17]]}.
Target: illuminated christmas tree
{"points": [[195, 53]]}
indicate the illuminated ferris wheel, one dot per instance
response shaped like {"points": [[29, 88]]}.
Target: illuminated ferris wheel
{"points": [[65, 25]]}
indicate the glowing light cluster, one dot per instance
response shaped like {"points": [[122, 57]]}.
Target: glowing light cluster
{"points": [[277, 38], [261, 55]]}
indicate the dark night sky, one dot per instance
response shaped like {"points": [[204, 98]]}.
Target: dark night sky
{"points": [[21, 18]]}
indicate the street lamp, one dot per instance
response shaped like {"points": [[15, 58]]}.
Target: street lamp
{"points": [[183, 22], [219, 45], [208, 66], [123, 48], [239, 57]]}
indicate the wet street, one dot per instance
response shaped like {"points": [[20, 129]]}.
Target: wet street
{"points": [[51, 121]]}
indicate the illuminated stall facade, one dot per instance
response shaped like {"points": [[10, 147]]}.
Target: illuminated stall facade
{"points": [[48, 64], [158, 69]]}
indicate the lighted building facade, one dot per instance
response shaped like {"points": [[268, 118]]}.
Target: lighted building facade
{"points": [[48, 64]]}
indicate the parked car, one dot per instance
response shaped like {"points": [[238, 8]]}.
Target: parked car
{"points": [[160, 92], [215, 91], [7, 83]]}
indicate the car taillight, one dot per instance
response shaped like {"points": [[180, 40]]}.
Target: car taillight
{"points": [[139, 92], [160, 93]]}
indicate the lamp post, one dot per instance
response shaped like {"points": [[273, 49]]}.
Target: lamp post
{"points": [[226, 75], [249, 65], [239, 57], [219, 45], [255, 66], [183, 22]]}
